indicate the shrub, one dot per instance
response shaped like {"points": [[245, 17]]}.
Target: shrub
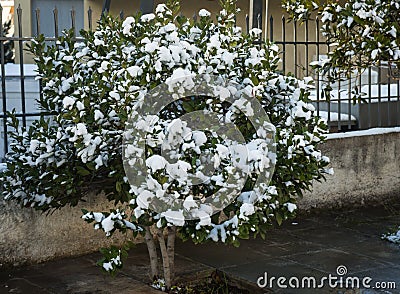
{"points": [[362, 33], [92, 92]]}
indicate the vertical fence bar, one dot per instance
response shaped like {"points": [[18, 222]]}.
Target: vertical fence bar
{"points": [[73, 14], [259, 26], [360, 80], [379, 93], [398, 103], [318, 75], [349, 102], [247, 24], [106, 7], [388, 99], [271, 29], [329, 102], [369, 96], [306, 47], [284, 44], [55, 14], [3, 83], [37, 13], [295, 47], [90, 18], [38, 33], [21, 64], [339, 108]]}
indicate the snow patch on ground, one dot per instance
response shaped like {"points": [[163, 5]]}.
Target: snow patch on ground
{"points": [[394, 238]]}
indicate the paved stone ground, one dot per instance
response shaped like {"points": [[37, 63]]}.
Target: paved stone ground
{"points": [[313, 245]]}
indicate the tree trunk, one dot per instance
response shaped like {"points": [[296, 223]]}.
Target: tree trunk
{"points": [[171, 250], [165, 258], [151, 247]]}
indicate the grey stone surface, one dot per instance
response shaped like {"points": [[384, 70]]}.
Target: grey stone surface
{"points": [[27, 236], [367, 171], [312, 245]]}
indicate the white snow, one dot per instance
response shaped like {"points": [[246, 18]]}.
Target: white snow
{"points": [[174, 217], [13, 70], [178, 170], [156, 162], [81, 129], [395, 237], [189, 203], [108, 266], [370, 132], [334, 116], [68, 102], [291, 207], [246, 209], [144, 199], [98, 115], [204, 13], [255, 31], [199, 138], [135, 71], [161, 8], [371, 94], [107, 224], [3, 167], [147, 17]]}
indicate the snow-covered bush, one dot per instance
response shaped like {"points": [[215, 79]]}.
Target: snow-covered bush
{"points": [[361, 32], [92, 91]]}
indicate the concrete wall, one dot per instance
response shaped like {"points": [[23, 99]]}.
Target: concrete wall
{"points": [[367, 170], [27, 236]]}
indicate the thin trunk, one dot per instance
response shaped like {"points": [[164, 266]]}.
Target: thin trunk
{"points": [[151, 247], [165, 259], [171, 250]]}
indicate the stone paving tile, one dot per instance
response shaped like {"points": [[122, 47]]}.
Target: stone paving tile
{"points": [[386, 275], [219, 255], [137, 264], [300, 224], [283, 245], [379, 250], [19, 285], [273, 268], [74, 275], [312, 245], [374, 228], [328, 260], [330, 237]]}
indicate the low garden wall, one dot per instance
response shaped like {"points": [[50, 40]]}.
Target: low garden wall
{"points": [[367, 171], [366, 168]]}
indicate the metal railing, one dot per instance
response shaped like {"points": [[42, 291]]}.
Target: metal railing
{"points": [[299, 46]]}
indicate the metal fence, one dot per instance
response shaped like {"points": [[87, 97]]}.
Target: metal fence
{"points": [[299, 46], [302, 44]]}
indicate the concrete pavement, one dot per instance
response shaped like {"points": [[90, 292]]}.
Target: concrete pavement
{"points": [[313, 245]]}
